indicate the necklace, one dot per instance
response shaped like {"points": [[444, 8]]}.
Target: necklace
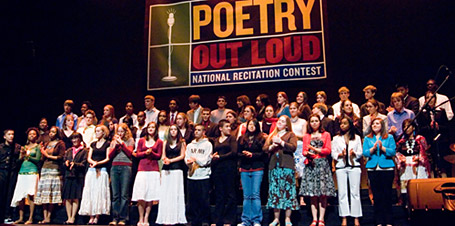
{"points": [[294, 120], [410, 146]]}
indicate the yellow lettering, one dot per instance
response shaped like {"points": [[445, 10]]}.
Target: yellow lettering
{"points": [[306, 11], [280, 15], [197, 22], [240, 17], [217, 20], [263, 15]]}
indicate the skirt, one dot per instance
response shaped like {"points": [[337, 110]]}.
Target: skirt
{"points": [[72, 188], [96, 196], [299, 159], [171, 209], [49, 187], [146, 186], [317, 179], [282, 189], [26, 185]]}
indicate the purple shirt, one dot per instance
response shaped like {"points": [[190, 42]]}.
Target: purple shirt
{"points": [[396, 119]]}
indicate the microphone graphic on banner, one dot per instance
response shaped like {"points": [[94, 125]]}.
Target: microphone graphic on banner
{"points": [[170, 23]]}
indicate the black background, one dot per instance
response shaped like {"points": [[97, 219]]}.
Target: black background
{"points": [[95, 50]]}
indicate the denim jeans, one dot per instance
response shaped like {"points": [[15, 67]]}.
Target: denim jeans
{"points": [[120, 183], [251, 184]]}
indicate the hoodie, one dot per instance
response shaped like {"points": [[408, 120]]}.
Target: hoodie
{"points": [[201, 150]]}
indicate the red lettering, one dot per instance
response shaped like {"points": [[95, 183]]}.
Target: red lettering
{"points": [[309, 41], [255, 59], [214, 55], [289, 48], [234, 47], [274, 50], [200, 57]]}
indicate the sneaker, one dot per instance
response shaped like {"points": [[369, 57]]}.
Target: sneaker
{"points": [[257, 224], [8, 221], [242, 224]]}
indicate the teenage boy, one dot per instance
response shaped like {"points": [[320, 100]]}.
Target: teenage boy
{"points": [[173, 111], [151, 113], [369, 92], [198, 157], [398, 115], [195, 112], [9, 167], [129, 118], [343, 93], [210, 127], [219, 113], [68, 110], [410, 102]]}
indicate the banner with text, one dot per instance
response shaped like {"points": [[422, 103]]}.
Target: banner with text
{"points": [[213, 42]]}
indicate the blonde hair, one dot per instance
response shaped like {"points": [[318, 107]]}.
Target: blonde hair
{"points": [[127, 130], [275, 131]]}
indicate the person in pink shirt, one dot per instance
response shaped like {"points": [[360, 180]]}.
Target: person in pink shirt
{"points": [[147, 184]]}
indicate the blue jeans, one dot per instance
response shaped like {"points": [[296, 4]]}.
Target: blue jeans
{"points": [[120, 183], [251, 184]]}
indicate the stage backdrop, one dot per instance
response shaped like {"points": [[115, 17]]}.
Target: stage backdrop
{"points": [[213, 42]]}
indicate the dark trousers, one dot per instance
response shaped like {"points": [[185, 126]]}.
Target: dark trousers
{"points": [[225, 193], [7, 184], [199, 202], [120, 184], [381, 186]]}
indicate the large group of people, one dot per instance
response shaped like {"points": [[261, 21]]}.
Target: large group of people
{"points": [[174, 159]]}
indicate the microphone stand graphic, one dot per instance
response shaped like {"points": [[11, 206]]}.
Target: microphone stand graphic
{"points": [[170, 23]]}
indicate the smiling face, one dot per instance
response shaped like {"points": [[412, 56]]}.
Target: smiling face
{"points": [[315, 123], [293, 109], [281, 123], [239, 104], [251, 127], [299, 98], [348, 107], [121, 132], [226, 129], [173, 105], [32, 136], [89, 119], [376, 126], [247, 114]]}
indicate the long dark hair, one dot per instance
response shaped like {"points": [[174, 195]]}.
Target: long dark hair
{"points": [[256, 133], [350, 131], [309, 129]]}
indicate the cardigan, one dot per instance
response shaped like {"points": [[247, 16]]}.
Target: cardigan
{"points": [[339, 143], [326, 148], [284, 156]]}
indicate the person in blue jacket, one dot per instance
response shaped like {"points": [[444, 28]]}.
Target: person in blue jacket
{"points": [[379, 147]]}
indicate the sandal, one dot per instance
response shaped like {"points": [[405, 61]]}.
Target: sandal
{"points": [[289, 223], [321, 223], [275, 223], [29, 222], [314, 223]]}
